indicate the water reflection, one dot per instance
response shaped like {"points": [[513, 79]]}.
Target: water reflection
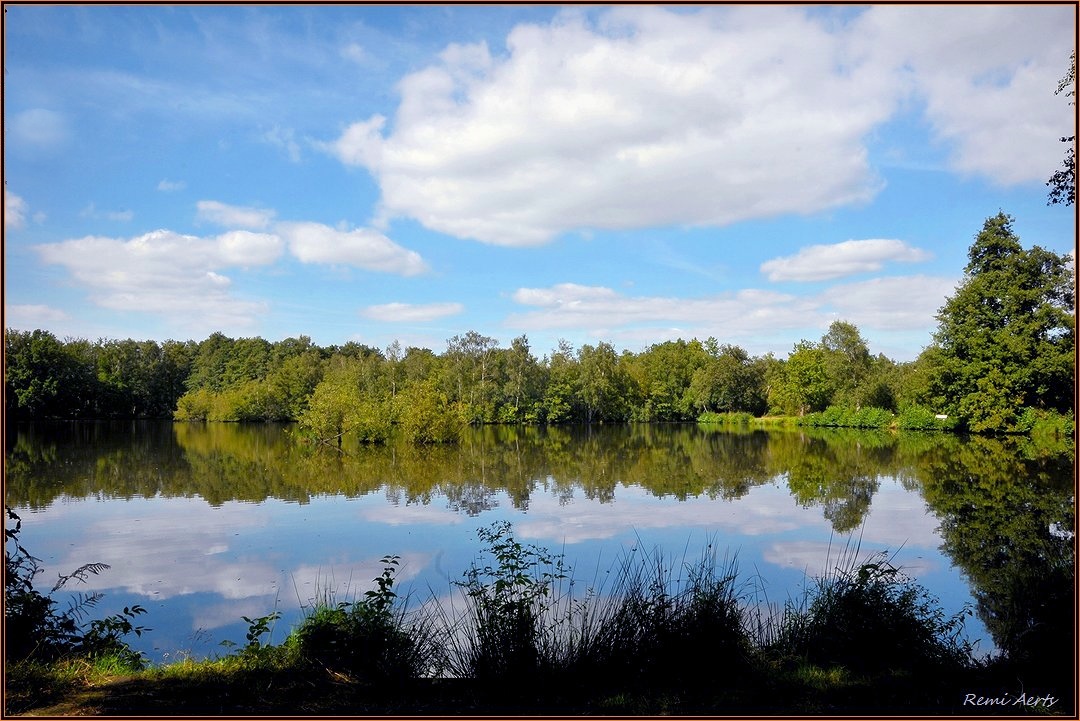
{"points": [[218, 521]]}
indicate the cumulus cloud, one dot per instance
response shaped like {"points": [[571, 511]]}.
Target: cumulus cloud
{"points": [[15, 209], [651, 116], [985, 75], [233, 216], [170, 186], [881, 304], [742, 312], [411, 313], [363, 248], [177, 276], [896, 303], [837, 260]]}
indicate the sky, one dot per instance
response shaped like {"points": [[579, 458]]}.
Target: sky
{"points": [[625, 174]]}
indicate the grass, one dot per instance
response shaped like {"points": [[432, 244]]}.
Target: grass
{"points": [[519, 634]]}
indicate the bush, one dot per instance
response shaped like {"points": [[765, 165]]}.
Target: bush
{"points": [[841, 417], [870, 618], [370, 639], [919, 418], [506, 604], [726, 419], [427, 416], [1046, 423]]}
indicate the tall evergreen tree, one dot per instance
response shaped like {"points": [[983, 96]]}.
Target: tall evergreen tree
{"points": [[1007, 334]]}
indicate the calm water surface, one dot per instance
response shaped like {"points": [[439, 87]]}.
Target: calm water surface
{"points": [[205, 523]]}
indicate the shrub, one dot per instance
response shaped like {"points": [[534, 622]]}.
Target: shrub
{"points": [[427, 416], [372, 639], [506, 604], [1046, 423], [194, 405], [869, 617], [726, 419], [919, 418], [841, 417]]}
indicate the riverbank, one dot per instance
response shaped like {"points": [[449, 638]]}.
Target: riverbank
{"points": [[655, 638], [205, 690]]}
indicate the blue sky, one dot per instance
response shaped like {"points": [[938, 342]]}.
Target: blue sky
{"points": [[628, 174]]}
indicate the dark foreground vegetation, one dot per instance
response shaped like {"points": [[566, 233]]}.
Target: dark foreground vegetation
{"points": [[520, 634], [1001, 361]]}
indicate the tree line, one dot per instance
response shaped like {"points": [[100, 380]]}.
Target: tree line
{"points": [[1004, 349]]}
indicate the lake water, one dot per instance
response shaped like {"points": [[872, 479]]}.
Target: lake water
{"points": [[204, 523]]}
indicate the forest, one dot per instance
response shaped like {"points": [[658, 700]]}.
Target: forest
{"points": [[1001, 360]]}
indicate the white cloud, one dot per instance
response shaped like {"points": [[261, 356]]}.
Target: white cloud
{"points": [[897, 303], [738, 313], [33, 316], [411, 313], [880, 305], [986, 75], [169, 274], [653, 117], [363, 248], [170, 186], [38, 129], [15, 209], [233, 216], [836, 260], [284, 138], [242, 248]]}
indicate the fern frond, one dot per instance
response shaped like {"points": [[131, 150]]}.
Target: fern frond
{"points": [[80, 574], [79, 606]]}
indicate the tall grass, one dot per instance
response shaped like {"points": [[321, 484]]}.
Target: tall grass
{"points": [[521, 627], [375, 639], [867, 615], [647, 620]]}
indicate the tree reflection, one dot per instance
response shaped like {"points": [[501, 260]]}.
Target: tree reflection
{"points": [[1006, 506], [1007, 510]]}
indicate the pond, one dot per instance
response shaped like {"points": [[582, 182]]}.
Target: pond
{"points": [[202, 524]]}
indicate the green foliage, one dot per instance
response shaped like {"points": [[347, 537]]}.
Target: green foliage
{"points": [[104, 638], [373, 639], [506, 605], [40, 376], [427, 416], [1006, 337], [34, 630], [843, 417], [805, 384], [729, 382], [340, 405], [869, 616], [1043, 423], [725, 419], [919, 418]]}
